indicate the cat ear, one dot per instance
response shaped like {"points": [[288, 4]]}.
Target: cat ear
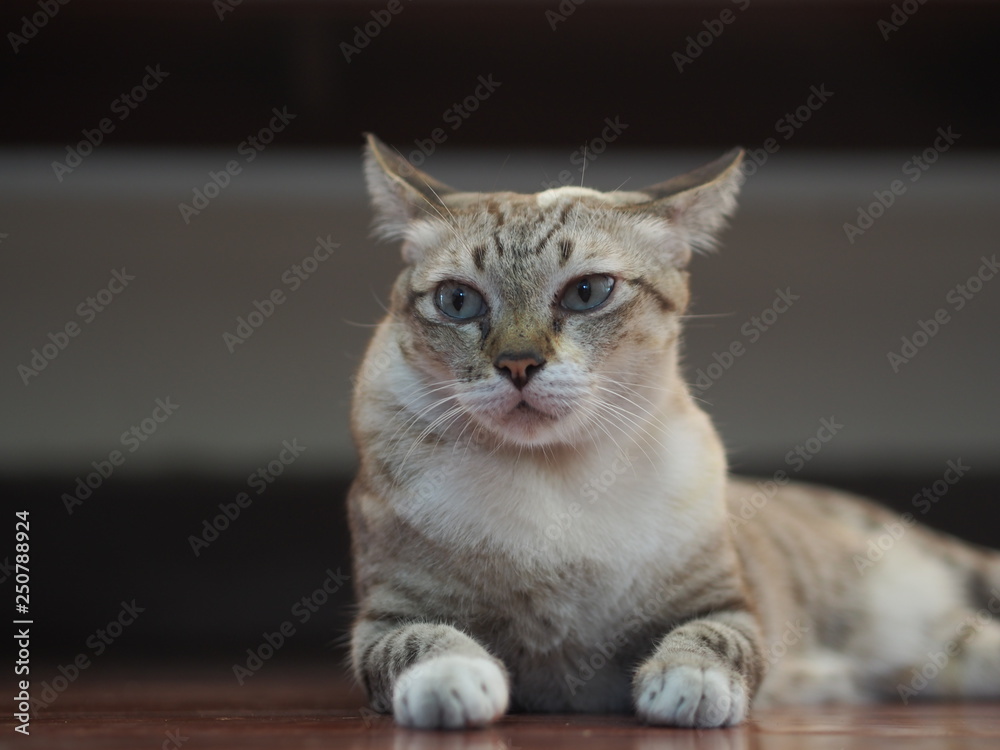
{"points": [[699, 202], [399, 191]]}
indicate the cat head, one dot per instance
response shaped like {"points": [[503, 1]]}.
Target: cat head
{"points": [[549, 317]]}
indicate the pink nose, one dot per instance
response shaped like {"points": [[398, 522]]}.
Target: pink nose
{"points": [[519, 367]]}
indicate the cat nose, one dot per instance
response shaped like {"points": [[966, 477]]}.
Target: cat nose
{"points": [[519, 367]]}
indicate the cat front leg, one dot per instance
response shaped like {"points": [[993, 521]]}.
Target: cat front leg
{"points": [[430, 676], [703, 673]]}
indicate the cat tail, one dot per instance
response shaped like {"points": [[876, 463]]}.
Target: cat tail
{"points": [[965, 661]]}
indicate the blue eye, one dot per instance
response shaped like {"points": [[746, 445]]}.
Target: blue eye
{"points": [[587, 292], [459, 301]]}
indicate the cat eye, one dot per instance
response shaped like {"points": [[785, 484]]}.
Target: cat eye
{"points": [[459, 301], [587, 292]]}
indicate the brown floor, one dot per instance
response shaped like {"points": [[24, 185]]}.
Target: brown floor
{"points": [[310, 707]]}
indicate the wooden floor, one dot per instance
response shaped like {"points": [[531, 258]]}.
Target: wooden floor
{"points": [[312, 707]]}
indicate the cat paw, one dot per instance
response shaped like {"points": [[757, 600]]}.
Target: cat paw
{"points": [[450, 692], [687, 695]]}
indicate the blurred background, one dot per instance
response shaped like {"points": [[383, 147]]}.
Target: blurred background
{"points": [[167, 166]]}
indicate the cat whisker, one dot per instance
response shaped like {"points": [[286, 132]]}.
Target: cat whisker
{"points": [[607, 432], [429, 429], [640, 423], [420, 390], [473, 438], [409, 416], [500, 171], [403, 428], [379, 302], [651, 419], [635, 421], [458, 439], [630, 388], [683, 392], [692, 390], [618, 421], [590, 434], [450, 221], [458, 413], [691, 316], [355, 324]]}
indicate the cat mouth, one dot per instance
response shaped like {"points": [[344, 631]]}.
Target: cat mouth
{"points": [[525, 410], [525, 407]]}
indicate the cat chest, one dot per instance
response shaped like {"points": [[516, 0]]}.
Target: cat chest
{"points": [[617, 520], [571, 653]]}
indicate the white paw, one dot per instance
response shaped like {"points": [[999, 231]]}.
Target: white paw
{"points": [[450, 692], [690, 696]]}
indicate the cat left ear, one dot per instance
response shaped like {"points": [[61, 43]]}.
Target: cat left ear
{"points": [[399, 191], [700, 201]]}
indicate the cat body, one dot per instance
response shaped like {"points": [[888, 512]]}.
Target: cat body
{"points": [[543, 519]]}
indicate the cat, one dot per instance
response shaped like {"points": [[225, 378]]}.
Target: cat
{"points": [[529, 356]]}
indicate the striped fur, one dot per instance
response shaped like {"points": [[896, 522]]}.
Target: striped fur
{"points": [[571, 541]]}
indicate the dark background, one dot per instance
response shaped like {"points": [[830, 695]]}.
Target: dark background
{"points": [[605, 57], [559, 84]]}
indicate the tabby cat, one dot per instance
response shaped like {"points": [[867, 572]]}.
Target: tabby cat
{"points": [[529, 356]]}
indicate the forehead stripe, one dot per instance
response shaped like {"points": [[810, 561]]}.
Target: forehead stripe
{"points": [[478, 256], [565, 250]]}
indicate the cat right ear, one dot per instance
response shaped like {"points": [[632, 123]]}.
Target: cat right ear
{"points": [[699, 202], [399, 191]]}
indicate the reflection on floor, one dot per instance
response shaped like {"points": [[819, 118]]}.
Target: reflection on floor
{"points": [[316, 707]]}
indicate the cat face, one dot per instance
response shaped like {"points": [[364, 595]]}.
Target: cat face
{"points": [[546, 318]]}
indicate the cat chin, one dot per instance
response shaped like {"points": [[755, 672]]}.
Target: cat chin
{"points": [[526, 426]]}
